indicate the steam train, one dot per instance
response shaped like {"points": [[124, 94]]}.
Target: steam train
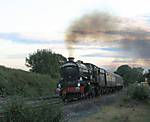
{"points": [[82, 80]]}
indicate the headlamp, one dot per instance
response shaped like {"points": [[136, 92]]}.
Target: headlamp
{"points": [[59, 86]]}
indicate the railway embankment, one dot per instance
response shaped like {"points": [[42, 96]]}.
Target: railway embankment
{"points": [[23, 83], [27, 97]]}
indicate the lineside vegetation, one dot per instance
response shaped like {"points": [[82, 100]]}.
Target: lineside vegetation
{"points": [[22, 83]]}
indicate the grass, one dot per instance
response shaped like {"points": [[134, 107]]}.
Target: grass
{"points": [[18, 84], [23, 83], [129, 107], [17, 110], [113, 113]]}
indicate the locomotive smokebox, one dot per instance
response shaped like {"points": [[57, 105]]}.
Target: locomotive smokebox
{"points": [[71, 59]]}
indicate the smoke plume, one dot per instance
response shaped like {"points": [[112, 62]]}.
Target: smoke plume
{"points": [[105, 28], [138, 43], [91, 27]]}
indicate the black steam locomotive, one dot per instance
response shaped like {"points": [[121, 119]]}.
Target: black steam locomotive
{"points": [[82, 80]]}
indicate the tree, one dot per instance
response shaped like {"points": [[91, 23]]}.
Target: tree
{"points": [[130, 75], [45, 62], [124, 69], [147, 76], [137, 72]]}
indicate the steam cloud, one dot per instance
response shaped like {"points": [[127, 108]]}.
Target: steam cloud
{"points": [[91, 27]]}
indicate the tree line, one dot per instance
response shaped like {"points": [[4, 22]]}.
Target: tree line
{"points": [[130, 75]]}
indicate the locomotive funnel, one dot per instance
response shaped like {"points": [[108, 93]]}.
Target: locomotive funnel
{"points": [[71, 58]]}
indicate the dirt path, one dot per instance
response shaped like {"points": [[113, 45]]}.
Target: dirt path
{"points": [[74, 112]]}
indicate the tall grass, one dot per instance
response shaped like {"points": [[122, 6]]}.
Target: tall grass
{"points": [[22, 83], [16, 110]]}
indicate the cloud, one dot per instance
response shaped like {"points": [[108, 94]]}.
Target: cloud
{"points": [[13, 53], [132, 62], [98, 55], [28, 38], [132, 48], [138, 48], [92, 47], [133, 45], [146, 18], [105, 54]]}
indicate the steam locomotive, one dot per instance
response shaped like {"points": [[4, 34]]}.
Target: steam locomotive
{"points": [[82, 80]]}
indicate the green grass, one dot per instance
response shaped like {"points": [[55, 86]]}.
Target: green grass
{"points": [[18, 84], [113, 113], [125, 109], [23, 83]]}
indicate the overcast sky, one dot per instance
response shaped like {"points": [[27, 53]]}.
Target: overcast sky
{"points": [[28, 25]]}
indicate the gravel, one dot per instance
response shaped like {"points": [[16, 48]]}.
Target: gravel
{"points": [[77, 110]]}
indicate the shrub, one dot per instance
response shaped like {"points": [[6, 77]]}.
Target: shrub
{"points": [[138, 91], [16, 110]]}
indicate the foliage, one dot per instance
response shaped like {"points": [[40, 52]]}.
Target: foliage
{"points": [[19, 82], [16, 110], [147, 76], [45, 62], [130, 75], [138, 91]]}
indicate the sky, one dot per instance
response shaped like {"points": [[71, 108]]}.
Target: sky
{"points": [[28, 25]]}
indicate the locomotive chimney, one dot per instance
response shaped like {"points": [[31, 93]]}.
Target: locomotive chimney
{"points": [[71, 58]]}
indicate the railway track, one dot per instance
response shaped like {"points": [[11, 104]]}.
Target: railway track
{"points": [[82, 100], [33, 102], [54, 101], [77, 110]]}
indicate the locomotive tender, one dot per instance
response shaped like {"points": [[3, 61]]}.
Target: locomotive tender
{"points": [[80, 80]]}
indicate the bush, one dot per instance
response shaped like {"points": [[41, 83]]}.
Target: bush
{"points": [[16, 110], [138, 91]]}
